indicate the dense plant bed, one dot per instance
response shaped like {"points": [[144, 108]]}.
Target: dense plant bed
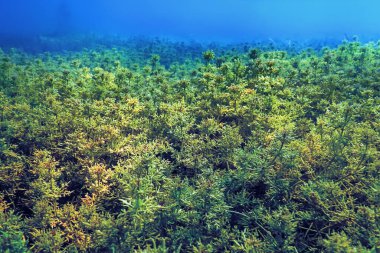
{"points": [[264, 151]]}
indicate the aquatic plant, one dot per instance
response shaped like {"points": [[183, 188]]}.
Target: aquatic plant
{"points": [[208, 56], [108, 150]]}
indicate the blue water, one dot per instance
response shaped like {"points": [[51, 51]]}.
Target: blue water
{"points": [[201, 20], [39, 25]]}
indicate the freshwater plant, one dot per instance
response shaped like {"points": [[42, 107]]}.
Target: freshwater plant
{"points": [[177, 150]]}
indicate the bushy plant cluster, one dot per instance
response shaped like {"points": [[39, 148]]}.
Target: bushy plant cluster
{"points": [[267, 151]]}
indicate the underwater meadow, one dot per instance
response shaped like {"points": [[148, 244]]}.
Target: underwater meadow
{"points": [[158, 146], [165, 129]]}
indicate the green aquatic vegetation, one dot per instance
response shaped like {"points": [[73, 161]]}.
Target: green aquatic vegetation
{"points": [[12, 238], [154, 146], [208, 56]]}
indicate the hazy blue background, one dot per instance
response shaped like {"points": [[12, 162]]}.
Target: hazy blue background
{"points": [[229, 20]]}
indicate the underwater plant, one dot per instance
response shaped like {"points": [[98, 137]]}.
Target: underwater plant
{"points": [[147, 146], [208, 56]]}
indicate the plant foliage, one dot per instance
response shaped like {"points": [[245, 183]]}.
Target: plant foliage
{"points": [[259, 150]]}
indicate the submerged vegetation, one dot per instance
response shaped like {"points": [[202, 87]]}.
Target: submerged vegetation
{"points": [[255, 150]]}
